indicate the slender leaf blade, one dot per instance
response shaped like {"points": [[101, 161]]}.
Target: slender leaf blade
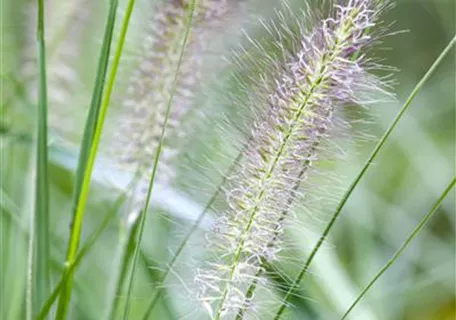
{"points": [[82, 173], [42, 279], [402, 248], [360, 175], [110, 215], [191, 12]]}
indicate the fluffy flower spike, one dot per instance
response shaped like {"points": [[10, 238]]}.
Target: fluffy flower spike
{"points": [[327, 69], [142, 117]]}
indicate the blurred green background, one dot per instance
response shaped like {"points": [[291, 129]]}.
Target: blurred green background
{"points": [[407, 177]]}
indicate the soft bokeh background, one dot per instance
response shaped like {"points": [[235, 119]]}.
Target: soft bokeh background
{"points": [[407, 177]]}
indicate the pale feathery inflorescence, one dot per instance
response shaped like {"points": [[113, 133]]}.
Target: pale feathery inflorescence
{"points": [[141, 119], [65, 24], [327, 70]]}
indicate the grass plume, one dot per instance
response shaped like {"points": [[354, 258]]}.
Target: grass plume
{"points": [[141, 120], [327, 71], [360, 175]]}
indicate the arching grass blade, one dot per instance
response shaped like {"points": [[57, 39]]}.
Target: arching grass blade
{"points": [[81, 254], [91, 140], [404, 246], [358, 178]]}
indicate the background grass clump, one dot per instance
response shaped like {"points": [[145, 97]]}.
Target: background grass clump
{"points": [[406, 178]]}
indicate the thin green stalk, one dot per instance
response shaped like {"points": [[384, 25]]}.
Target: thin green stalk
{"points": [[193, 228], [91, 142], [404, 246], [42, 280], [154, 276], [116, 274], [125, 249], [8, 205], [125, 265], [369, 161], [143, 214], [81, 254]]}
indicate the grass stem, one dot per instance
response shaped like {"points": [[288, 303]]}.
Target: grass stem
{"points": [[358, 178], [41, 219], [143, 214], [92, 136], [404, 246]]}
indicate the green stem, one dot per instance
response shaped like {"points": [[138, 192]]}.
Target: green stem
{"points": [[81, 254], [404, 246], [128, 234], [87, 161], [193, 228], [143, 215], [42, 280]]}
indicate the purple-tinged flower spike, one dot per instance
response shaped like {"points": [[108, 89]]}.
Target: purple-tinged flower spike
{"points": [[327, 70], [140, 122]]}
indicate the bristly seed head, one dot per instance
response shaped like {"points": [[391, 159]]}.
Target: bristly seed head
{"points": [[142, 118], [328, 71], [65, 25]]}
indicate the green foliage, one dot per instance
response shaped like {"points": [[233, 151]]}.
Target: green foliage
{"points": [[87, 153], [49, 182]]}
